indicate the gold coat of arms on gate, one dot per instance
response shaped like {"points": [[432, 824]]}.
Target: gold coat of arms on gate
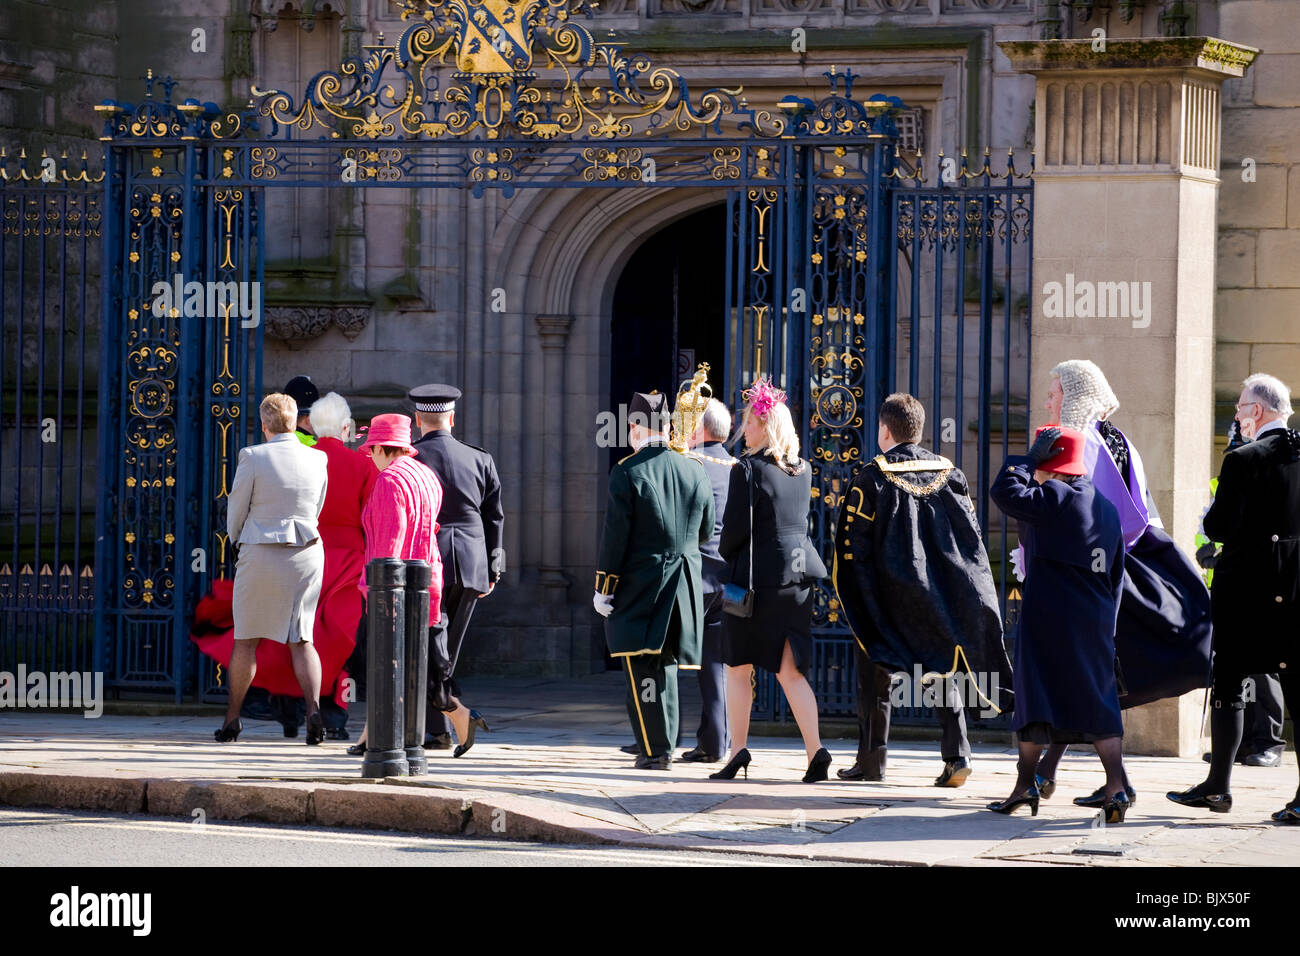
{"points": [[495, 38]]}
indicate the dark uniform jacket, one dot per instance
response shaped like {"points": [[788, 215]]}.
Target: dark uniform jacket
{"points": [[1065, 634], [659, 514], [911, 571], [784, 554], [470, 520], [718, 463], [1255, 596]]}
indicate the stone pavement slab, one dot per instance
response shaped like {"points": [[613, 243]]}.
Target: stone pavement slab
{"points": [[550, 770]]}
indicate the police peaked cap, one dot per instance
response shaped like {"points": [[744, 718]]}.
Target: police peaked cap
{"points": [[434, 398]]}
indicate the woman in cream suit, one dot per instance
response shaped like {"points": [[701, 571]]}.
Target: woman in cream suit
{"points": [[271, 515]]}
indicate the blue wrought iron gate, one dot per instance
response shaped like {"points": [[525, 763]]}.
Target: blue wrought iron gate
{"points": [[850, 278], [176, 397], [847, 277], [51, 217]]}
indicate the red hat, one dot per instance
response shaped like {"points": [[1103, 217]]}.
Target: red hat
{"points": [[390, 430], [1069, 460]]}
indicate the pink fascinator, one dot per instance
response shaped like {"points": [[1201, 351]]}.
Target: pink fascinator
{"points": [[763, 396]]}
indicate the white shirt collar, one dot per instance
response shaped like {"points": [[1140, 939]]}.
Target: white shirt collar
{"points": [[1275, 423], [650, 440]]}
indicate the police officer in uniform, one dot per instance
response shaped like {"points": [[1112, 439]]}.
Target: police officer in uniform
{"points": [[304, 393], [469, 523], [648, 581]]}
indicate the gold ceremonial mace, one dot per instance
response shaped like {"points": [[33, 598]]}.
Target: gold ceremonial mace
{"points": [[692, 399]]}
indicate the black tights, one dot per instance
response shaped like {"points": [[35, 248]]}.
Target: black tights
{"points": [[1051, 759], [1109, 749], [1227, 724]]}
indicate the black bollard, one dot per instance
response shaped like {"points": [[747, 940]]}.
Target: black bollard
{"points": [[419, 575], [385, 666]]}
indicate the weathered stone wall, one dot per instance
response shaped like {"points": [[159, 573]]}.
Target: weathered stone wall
{"points": [[1258, 303]]}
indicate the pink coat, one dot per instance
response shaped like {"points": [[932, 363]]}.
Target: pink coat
{"points": [[401, 521]]}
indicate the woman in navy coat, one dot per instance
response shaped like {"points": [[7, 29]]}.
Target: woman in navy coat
{"points": [[1065, 687]]}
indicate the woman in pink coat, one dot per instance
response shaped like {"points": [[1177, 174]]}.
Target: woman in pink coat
{"points": [[401, 521]]}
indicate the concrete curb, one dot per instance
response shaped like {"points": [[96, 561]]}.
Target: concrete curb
{"points": [[373, 805]]}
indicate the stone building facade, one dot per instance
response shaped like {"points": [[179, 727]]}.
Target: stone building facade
{"points": [[515, 300]]}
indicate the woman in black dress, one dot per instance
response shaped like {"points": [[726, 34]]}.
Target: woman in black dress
{"points": [[777, 636]]}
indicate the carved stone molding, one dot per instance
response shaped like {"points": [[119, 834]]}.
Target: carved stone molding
{"points": [[888, 6], [554, 330], [677, 8], [297, 323], [794, 6], [984, 6]]}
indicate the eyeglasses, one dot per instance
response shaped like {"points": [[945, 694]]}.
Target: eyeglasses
{"points": [[1247, 405]]}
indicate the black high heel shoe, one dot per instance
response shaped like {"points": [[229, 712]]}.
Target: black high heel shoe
{"points": [[357, 750], [230, 732], [1097, 799], [1012, 804], [1195, 797], [1044, 786], [739, 761], [819, 768], [315, 729], [476, 722], [1116, 808], [1290, 814]]}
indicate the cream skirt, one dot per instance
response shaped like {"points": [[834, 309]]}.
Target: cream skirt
{"points": [[276, 589]]}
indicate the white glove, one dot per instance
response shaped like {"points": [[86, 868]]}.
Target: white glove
{"points": [[603, 603], [1018, 562]]}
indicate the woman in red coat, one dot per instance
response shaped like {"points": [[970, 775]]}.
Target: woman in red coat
{"points": [[340, 609]]}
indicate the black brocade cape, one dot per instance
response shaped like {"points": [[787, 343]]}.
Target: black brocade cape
{"points": [[911, 572]]}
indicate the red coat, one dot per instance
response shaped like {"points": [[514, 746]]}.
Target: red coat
{"points": [[338, 611]]}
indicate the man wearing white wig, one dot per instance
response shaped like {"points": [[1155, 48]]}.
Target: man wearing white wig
{"points": [[1163, 632]]}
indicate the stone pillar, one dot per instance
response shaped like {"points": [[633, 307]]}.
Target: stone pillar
{"points": [[554, 332], [1125, 207]]}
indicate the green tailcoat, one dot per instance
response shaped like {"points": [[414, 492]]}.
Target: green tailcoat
{"points": [[660, 511]]}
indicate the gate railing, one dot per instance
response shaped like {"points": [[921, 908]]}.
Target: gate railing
{"points": [[51, 218]]}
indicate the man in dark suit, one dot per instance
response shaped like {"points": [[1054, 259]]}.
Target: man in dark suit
{"points": [[712, 739], [1255, 594], [469, 530], [648, 585]]}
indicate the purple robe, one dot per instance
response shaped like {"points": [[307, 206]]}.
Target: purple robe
{"points": [[1131, 500]]}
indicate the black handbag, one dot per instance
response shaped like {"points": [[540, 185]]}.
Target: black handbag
{"points": [[738, 601]]}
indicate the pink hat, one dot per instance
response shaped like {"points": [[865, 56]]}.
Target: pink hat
{"points": [[390, 430]]}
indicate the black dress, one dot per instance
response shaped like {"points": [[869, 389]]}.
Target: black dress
{"points": [[786, 563]]}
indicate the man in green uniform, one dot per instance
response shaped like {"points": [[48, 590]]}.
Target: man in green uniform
{"points": [[648, 582]]}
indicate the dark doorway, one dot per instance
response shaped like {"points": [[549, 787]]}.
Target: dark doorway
{"points": [[668, 310]]}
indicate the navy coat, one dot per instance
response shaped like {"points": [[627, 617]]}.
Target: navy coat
{"points": [[718, 463], [471, 518], [1065, 635], [912, 574]]}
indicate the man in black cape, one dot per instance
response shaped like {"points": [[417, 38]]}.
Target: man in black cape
{"points": [[913, 578]]}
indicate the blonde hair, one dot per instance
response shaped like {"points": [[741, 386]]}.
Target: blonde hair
{"points": [[330, 416], [279, 413], [781, 441]]}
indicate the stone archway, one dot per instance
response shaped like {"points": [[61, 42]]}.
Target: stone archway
{"points": [[560, 254]]}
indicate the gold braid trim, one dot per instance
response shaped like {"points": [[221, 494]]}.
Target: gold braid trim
{"points": [[892, 470], [959, 654]]}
